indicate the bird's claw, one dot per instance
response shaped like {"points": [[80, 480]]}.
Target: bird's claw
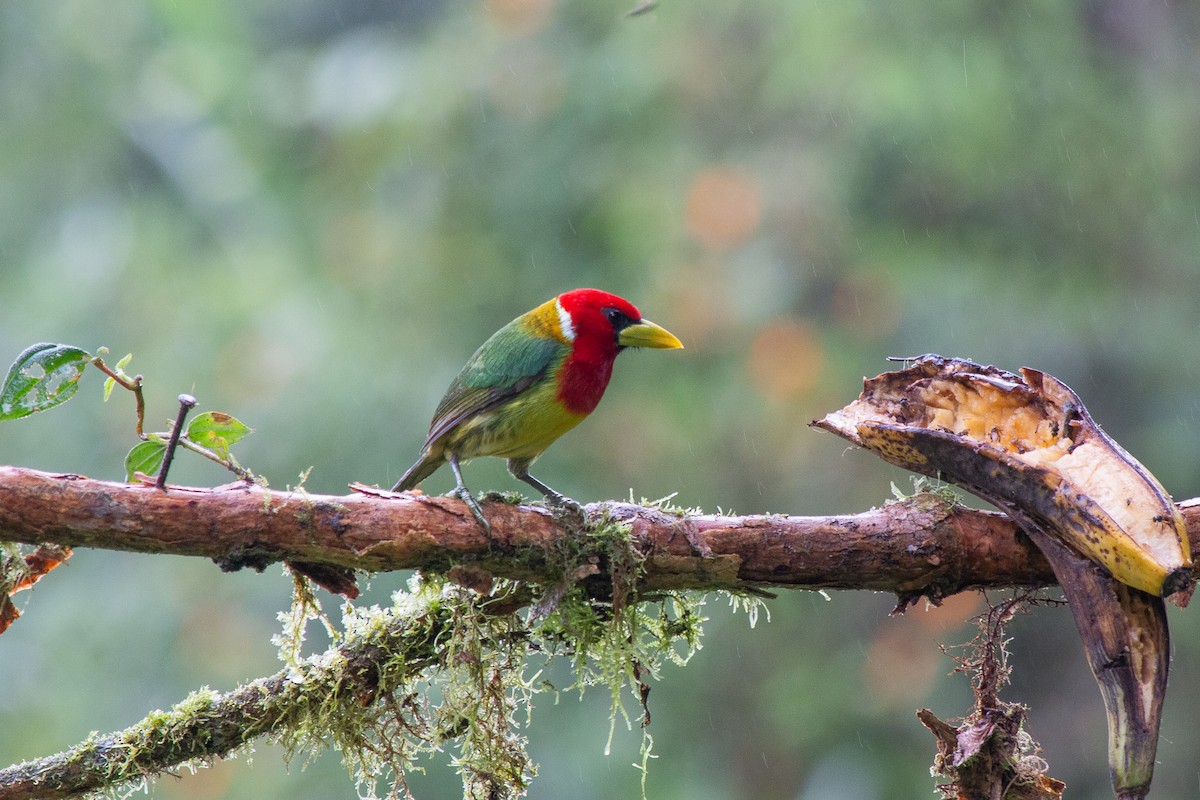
{"points": [[461, 493], [565, 506]]}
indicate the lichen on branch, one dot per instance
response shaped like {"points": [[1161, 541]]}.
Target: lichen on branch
{"points": [[444, 667]]}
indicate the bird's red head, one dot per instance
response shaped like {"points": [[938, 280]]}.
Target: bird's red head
{"points": [[598, 325], [595, 319]]}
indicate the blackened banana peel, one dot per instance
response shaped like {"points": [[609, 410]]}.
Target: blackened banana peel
{"points": [[1115, 540]]}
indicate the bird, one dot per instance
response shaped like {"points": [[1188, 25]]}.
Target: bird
{"points": [[532, 381]]}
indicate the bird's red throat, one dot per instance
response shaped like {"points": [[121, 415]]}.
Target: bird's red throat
{"points": [[583, 378]]}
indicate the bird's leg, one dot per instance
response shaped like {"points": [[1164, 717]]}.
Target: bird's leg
{"points": [[463, 493], [519, 469]]}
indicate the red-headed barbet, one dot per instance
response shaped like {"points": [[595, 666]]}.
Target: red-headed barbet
{"points": [[531, 382]]}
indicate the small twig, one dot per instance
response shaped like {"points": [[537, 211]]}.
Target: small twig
{"points": [[141, 406], [229, 464], [186, 404], [643, 689], [133, 384]]}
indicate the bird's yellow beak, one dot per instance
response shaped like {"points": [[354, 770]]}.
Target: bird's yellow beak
{"points": [[647, 334]]}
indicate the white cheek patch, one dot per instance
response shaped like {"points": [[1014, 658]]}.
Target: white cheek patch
{"points": [[564, 322]]}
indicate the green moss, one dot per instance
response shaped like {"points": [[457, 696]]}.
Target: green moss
{"points": [[928, 494], [13, 569], [441, 668], [459, 678], [509, 498], [665, 505]]}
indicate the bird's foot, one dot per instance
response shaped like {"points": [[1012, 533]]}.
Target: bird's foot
{"points": [[462, 494], [565, 507]]}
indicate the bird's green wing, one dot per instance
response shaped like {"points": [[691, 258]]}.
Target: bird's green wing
{"points": [[505, 365]]}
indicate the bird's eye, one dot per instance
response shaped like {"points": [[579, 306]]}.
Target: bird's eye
{"points": [[617, 318]]}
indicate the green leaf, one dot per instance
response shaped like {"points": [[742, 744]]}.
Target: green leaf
{"points": [[145, 457], [217, 430], [109, 383], [42, 377]]}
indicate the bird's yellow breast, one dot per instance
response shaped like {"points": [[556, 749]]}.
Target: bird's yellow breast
{"points": [[521, 428]]}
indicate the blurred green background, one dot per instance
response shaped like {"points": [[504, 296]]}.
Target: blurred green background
{"points": [[308, 214]]}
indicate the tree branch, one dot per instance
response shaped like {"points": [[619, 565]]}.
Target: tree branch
{"points": [[918, 547], [912, 548]]}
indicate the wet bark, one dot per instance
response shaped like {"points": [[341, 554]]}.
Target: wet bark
{"points": [[911, 548]]}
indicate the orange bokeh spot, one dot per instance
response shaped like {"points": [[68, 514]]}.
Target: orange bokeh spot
{"points": [[786, 358], [722, 207], [952, 614], [697, 306], [520, 16], [904, 660], [901, 667]]}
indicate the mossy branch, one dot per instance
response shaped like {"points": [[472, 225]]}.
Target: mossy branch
{"points": [[921, 546], [369, 696], [345, 681]]}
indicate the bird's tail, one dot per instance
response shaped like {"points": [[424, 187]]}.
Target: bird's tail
{"points": [[425, 466]]}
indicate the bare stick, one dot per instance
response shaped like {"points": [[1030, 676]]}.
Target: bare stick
{"points": [[186, 404]]}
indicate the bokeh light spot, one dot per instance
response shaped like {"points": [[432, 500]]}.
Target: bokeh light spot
{"points": [[521, 17], [901, 667], [722, 207], [786, 358], [697, 309], [952, 614]]}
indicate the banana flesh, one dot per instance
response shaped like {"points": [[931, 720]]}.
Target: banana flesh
{"points": [[1026, 440]]}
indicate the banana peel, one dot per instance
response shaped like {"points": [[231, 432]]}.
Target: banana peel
{"points": [[1027, 441], [1115, 540], [1128, 647]]}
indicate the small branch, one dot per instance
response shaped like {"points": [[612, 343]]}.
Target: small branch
{"points": [[227, 463], [918, 547], [186, 404], [174, 436], [133, 384]]}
